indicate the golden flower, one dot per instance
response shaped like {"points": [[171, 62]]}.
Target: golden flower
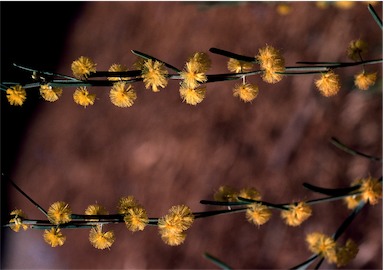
{"points": [[238, 66], [17, 221], [246, 92], [296, 214], [59, 212], [271, 61], [258, 214], [139, 63], [346, 253], [126, 203], [96, 209], [82, 97], [250, 193], [122, 94], [356, 48], [201, 61], [54, 237], [192, 96], [226, 194], [192, 75], [352, 201], [365, 80], [50, 93], [323, 245], [101, 240], [118, 68], [173, 238], [82, 67], [371, 190], [136, 218], [328, 84], [178, 219], [16, 95], [154, 75]]}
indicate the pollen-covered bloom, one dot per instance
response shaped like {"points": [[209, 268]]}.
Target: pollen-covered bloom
{"points": [[50, 93], [239, 66], [202, 61], [356, 48], [82, 97], [101, 240], [192, 96], [352, 201], [328, 84], [195, 68], [54, 237], [17, 221], [173, 225], [246, 92], [82, 67], [371, 190], [296, 214], [59, 212], [365, 80], [122, 94], [118, 68], [136, 218], [258, 214], [16, 95], [225, 194], [126, 203], [272, 62], [154, 75], [346, 253], [323, 245], [250, 193]]}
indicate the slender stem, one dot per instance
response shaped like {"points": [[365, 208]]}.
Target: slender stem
{"points": [[375, 16], [349, 150]]}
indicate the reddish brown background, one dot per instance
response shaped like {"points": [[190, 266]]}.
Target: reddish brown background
{"points": [[165, 152]]}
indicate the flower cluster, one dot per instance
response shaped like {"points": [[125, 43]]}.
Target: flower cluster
{"points": [[135, 216], [370, 191], [326, 247]]}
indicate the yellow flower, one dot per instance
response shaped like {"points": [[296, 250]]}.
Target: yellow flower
{"points": [[96, 209], [139, 63], [179, 218], [136, 218], [154, 75], [352, 201], [82, 67], [118, 68], [371, 190], [356, 48], [122, 94], [323, 245], [346, 253], [296, 214], [82, 97], [59, 212], [258, 214], [365, 80], [54, 237], [226, 194], [17, 221], [192, 96], [16, 95], [246, 92], [328, 84], [192, 75], [238, 66], [50, 93], [271, 61], [173, 238], [101, 240], [201, 60], [126, 203], [250, 193]]}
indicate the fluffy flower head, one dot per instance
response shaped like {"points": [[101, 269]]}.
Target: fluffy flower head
{"points": [[59, 213], [225, 194], [82, 97], [356, 48], [271, 61], [17, 221], [346, 253], [136, 218], [54, 237], [324, 245], [82, 67], [328, 84], [250, 193], [101, 240], [178, 219], [122, 94], [96, 209], [173, 238], [246, 92], [371, 190], [126, 203], [238, 66], [50, 93], [365, 80], [258, 214], [296, 214], [192, 96], [16, 95], [154, 75]]}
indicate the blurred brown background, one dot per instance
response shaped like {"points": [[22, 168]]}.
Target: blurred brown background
{"points": [[165, 152]]}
